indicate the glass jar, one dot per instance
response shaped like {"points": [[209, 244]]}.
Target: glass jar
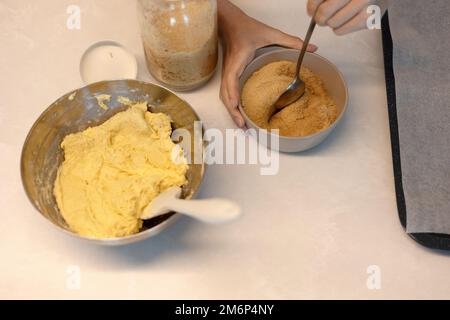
{"points": [[180, 41]]}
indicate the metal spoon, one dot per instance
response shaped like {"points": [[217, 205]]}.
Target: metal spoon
{"points": [[297, 88]]}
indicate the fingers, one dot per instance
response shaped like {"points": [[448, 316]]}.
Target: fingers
{"points": [[343, 16], [358, 22], [312, 6], [234, 65], [328, 9], [230, 96], [347, 13]]}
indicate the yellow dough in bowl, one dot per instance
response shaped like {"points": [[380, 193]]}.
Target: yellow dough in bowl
{"points": [[111, 172]]}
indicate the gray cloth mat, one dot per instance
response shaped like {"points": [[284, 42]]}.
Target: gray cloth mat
{"points": [[421, 64]]}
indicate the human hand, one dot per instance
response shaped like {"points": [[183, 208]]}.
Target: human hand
{"points": [[241, 36], [343, 16]]}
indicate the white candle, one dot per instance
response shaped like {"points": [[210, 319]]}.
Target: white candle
{"points": [[107, 60]]}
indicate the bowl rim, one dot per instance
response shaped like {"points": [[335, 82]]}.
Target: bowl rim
{"points": [[331, 127], [141, 235]]}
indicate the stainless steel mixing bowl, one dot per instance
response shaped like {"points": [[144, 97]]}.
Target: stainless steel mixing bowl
{"points": [[78, 110]]}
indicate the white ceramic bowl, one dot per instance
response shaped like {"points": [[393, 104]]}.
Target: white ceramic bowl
{"points": [[334, 83]]}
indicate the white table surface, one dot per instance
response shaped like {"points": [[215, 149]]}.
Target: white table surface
{"points": [[309, 232]]}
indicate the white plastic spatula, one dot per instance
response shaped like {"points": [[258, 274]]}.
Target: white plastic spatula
{"points": [[209, 210]]}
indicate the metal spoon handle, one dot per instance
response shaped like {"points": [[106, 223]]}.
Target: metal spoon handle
{"points": [[312, 25]]}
